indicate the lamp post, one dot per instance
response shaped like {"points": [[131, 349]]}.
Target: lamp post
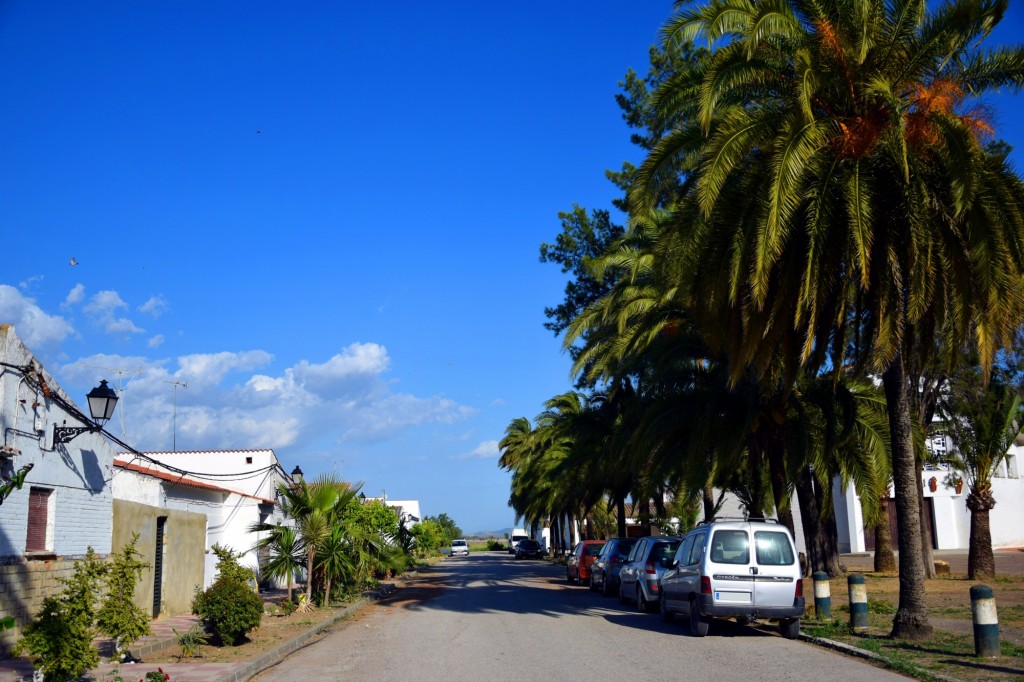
{"points": [[102, 401], [297, 474]]}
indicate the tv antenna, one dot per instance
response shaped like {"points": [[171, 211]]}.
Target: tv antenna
{"points": [[174, 413], [121, 374]]}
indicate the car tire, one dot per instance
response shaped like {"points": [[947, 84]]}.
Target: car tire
{"points": [[606, 589], [790, 628], [622, 597], [666, 615], [641, 603], [698, 624], [568, 578], [593, 585]]}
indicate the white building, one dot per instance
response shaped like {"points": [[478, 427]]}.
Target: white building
{"points": [[234, 489]]}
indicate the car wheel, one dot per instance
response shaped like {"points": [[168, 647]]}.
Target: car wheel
{"points": [[790, 627], [606, 589], [622, 597], [666, 615], [698, 623], [641, 603], [593, 584]]}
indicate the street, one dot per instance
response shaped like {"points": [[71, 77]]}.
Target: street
{"points": [[489, 616]]}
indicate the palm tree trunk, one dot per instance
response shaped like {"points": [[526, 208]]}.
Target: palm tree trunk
{"points": [[911, 620], [620, 502], [927, 558], [310, 556], [780, 484], [885, 559], [708, 499], [754, 463], [981, 563]]}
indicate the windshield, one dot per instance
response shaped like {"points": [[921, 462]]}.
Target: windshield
{"points": [[529, 544], [458, 543], [594, 550]]}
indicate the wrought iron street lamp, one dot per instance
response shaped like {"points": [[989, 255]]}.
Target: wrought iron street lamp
{"points": [[102, 401]]}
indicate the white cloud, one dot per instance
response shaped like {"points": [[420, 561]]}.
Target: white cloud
{"points": [[75, 296], [103, 308], [155, 306], [488, 449], [156, 341], [211, 368], [40, 331]]}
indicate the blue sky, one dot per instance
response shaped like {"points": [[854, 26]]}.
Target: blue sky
{"points": [[323, 217]]}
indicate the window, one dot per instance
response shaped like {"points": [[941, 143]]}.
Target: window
{"points": [[40, 520], [683, 555], [730, 547], [637, 551], [772, 549], [697, 550], [1011, 466]]}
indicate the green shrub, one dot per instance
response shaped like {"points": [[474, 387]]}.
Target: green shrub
{"points": [[119, 617], [59, 640], [230, 608], [495, 545]]}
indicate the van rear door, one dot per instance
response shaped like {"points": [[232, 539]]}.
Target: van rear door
{"points": [[732, 579], [775, 559]]}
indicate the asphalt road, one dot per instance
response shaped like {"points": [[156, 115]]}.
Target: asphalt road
{"points": [[491, 617]]}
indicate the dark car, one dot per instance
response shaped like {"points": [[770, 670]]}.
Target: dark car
{"points": [[529, 549], [604, 574]]}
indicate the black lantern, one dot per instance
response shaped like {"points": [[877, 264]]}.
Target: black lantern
{"points": [[297, 474], [102, 401]]}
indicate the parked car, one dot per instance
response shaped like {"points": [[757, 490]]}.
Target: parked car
{"points": [[529, 549], [460, 547], [604, 574], [735, 568], [577, 566], [640, 575]]}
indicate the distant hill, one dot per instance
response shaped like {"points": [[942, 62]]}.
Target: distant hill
{"points": [[484, 534]]}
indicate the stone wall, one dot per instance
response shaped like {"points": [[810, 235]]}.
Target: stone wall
{"points": [[23, 586]]}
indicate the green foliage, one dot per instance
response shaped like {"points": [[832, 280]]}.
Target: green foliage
{"points": [[495, 545], [429, 537], [59, 640], [230, 608], [190, 640], [157, 675], [14, 482], [449, 530], [7, 623], [120, 617], [228, 566]]}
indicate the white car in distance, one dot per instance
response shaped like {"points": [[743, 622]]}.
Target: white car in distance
{"points": [[460, 547]]}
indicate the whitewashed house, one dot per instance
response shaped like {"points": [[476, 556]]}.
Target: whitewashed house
{"points": [[64, 503], [234, 489]]}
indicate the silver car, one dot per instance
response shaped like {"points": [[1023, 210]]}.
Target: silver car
{"points": [[640, 575], [460, 547], [735, 569]]}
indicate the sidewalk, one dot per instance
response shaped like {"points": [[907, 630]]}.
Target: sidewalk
{"points": [[16, 670]]}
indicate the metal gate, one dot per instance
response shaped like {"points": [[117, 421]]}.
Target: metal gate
{"points": [[158, 565]]}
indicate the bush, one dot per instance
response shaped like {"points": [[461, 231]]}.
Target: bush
{"points": [[495, 545], [230, 608]]}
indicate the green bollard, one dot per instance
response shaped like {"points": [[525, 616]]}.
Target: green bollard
{"points": [[822, 596], [986, 622], [858, 602]]}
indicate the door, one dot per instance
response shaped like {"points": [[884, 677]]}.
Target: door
{"points": [[776, 568], [730, 566], [158, 566]]}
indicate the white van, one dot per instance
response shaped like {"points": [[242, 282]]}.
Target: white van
{"points": [[714, 573], [514, 537]]}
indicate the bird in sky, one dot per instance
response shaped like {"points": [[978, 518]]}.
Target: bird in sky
{"points": [[73, 261]]}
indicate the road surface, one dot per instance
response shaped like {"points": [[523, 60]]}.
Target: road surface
{"points": [[490, 617]]}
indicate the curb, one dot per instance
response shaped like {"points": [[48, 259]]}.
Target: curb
{"points": [[863, 653]]}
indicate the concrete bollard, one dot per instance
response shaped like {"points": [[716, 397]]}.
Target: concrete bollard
{"points": [[822, 596], [986, 622], [858, 602]]}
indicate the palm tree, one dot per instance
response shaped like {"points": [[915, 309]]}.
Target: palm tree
{"points": [[841, 191], [286, 552], [316, 507], [982, 423]]}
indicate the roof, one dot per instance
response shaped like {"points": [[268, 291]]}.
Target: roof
{"points": [[204, 452], [182, 480]]}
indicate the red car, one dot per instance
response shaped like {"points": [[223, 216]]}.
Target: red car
{"points": [[577, 567]]}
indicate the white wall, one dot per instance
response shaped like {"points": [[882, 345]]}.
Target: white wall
{"points": [[78, 472]]}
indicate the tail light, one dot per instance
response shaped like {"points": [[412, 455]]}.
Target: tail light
{"points": [[705, 585], [799, 588], [650, 568]]}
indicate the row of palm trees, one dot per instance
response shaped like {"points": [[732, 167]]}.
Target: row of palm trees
{"points": [[820, 207]]}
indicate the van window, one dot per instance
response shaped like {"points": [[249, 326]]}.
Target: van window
{"points": [[696, 550], [773, 549], [730, 547]]}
